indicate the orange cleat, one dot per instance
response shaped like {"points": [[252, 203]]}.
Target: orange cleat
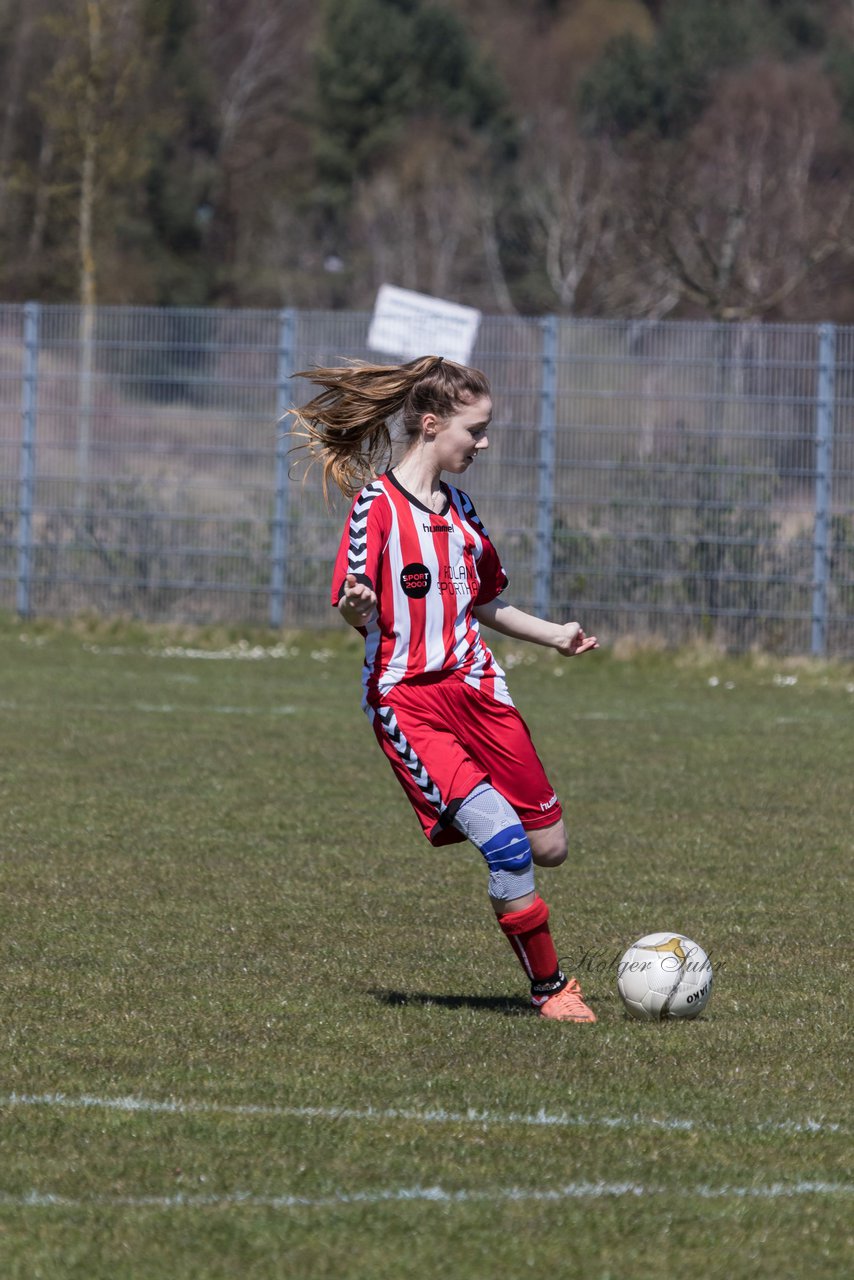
{"points": [[567, 1005]]}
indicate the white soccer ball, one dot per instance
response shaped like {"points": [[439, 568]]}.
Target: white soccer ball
{"points": [[664, 975]]}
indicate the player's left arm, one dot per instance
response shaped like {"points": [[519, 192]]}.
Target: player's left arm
{"points": [[567, 638]]}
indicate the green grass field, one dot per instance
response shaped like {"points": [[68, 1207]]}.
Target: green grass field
{"points": [[252, 1026]]}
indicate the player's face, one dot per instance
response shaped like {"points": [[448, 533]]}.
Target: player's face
{"points": [[462, 436]]}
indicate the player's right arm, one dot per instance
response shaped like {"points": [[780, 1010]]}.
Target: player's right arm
{"points": [[358, 601], [358, 564]]}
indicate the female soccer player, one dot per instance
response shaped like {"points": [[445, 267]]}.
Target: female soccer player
{"points": [[417, 575]]}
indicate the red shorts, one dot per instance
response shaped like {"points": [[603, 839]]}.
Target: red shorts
{"points": [[444, 737]]}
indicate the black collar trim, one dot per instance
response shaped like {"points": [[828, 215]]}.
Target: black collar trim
{"points": [[421, 506]]}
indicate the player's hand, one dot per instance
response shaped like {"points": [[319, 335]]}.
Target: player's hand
{"points": [[358, 601], [573, 641]]}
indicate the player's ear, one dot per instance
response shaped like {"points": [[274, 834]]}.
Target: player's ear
{"points": [[429, 425]]}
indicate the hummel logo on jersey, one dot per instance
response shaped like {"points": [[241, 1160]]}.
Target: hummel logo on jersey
{"points": [[437, 528]]}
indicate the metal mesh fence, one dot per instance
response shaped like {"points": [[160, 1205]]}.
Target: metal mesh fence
{"points": [[667, 479]]}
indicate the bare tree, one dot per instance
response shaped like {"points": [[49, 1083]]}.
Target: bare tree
{"points": [[259, 54], [551, 219], [570, 185], [91, 106], [417, 216], [738, 218], [496, 275]]}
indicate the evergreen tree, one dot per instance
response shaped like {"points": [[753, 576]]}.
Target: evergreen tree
{"points": [[378, 65], [663, 87], [181, 146]]}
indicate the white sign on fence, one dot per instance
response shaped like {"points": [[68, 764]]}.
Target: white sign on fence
{"points": [[407, 325]]}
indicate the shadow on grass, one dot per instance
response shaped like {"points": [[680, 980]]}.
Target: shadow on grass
{"points": [[509, 1006]]}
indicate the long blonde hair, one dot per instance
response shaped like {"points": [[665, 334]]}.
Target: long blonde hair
{"points": [[346, 427]]}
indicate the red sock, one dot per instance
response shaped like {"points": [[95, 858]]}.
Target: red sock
{"points": [[529, 936]]}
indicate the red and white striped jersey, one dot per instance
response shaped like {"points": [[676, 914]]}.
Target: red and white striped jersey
{"points": [[429, 571]]}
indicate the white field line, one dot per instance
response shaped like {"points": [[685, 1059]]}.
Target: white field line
{"points": [[169, 708], [240, 652], [485, 1119], [431, 1195]]}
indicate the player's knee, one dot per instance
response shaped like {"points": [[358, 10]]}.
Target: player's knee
{"points": [[494, 828], [511, 868], [549, 845], [508, 850]]}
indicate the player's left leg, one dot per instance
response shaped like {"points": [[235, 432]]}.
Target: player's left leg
{"points": [[549, 844]]}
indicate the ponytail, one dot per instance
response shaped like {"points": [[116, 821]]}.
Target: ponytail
{"points": [[346, 426]]}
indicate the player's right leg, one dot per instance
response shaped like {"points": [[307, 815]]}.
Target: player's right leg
{"points": [[493, 827]]}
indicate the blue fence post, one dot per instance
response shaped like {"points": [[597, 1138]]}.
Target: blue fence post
{"points": [[279, 544], [27, 470], [546, 468], [823, 484]]}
